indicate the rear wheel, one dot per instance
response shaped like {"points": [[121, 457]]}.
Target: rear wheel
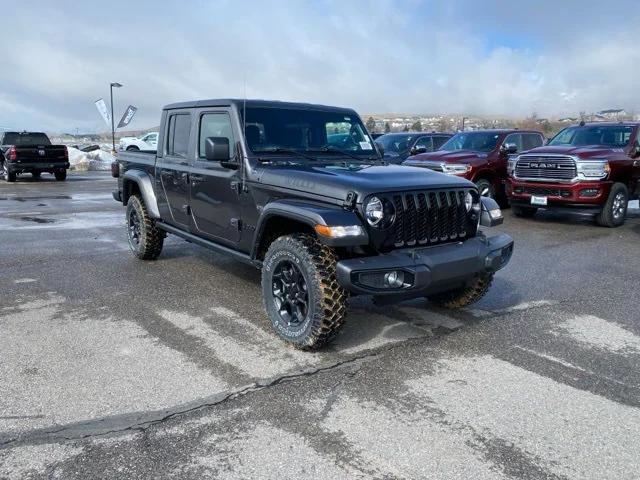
{"points": [[614, 210], [301, 294], [524, 212], [463, 297], [145, 238], [8, 176], [61, 175]]}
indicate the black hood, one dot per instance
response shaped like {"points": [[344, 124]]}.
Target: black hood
{"points": [[335, 182]]}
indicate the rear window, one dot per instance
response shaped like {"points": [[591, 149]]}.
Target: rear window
{"points": [[178, 135], [25, 139]]}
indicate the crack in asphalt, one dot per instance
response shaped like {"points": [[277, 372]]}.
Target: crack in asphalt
{"points": [[91, 428], [140, 421]]}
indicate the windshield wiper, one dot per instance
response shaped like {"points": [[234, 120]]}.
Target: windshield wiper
{"points": [[331, 148], [290, 151]]}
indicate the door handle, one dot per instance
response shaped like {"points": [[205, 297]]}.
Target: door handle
{"points": [[184, 164]]}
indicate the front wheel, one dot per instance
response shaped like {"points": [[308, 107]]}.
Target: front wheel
{"points": [[485, 187], [301, 294], [614, 210], [8, 176], [463, 297], [61, 175], [145, 238]]}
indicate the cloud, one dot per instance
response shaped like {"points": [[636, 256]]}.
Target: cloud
{"points": [[377, 56]]}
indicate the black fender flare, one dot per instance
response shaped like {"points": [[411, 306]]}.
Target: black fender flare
{"points": [[145, 185], [311, 214]]}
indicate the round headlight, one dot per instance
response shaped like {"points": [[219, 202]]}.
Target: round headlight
{"points": [[468, 201], [374, 211]]}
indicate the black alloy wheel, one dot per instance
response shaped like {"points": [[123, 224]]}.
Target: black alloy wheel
{"points": [[134, 230], [290, 293]]}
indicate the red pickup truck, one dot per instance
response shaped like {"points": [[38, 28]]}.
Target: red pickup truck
{"points": [[480, 156], [591, 168]]}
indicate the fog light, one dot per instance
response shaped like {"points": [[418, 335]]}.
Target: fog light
{"points": [[394, 279], [589, 192], [518, 189]]}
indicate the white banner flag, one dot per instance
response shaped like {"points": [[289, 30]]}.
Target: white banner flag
{"points": [[104, 111]]}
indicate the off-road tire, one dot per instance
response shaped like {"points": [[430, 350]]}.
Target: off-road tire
{"points": [[463, 297], [327, 300], [486, 186], [8, 176], [151, 238], [61, 175], [36, 174], [608, 218], [523, 212]]}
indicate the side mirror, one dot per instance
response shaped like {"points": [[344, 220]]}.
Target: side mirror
{"points": [[380, 148], [216, 149], [490, 213], [509, 148], [418, 150]]}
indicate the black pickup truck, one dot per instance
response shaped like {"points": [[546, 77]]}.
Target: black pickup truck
{"points": [[263, 182], [31, 152]]}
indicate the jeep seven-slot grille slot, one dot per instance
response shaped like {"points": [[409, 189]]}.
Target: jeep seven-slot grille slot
{"points": [[430, 217]]}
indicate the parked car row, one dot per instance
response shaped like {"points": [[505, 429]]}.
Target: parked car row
{"points": [[591, 168]]}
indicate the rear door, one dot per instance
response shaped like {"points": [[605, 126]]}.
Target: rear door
{"points": [[215, 205], [174, 167]]}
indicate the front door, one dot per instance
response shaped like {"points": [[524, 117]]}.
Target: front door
{"points": [[215, 204], [174, 168]]}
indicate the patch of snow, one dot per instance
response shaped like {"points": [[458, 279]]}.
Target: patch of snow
{"points": [[96, 160]]}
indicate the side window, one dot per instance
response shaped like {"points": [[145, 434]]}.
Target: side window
{"points": [[514, 138], [531, 140], [178, 135], [426, 143], [215, 125], [439, 141]]}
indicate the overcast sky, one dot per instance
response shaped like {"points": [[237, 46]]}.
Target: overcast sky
{"points": [[474, 57]]}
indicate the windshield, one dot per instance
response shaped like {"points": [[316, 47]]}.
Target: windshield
{"points": [[270, 130], [396, 143], [476, 141], [25, 139], [610, 136]]}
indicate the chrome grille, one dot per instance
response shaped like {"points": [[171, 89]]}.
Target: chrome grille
{"points": [[546, 167], [430, 217]]}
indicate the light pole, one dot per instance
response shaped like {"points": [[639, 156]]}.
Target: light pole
{"points": [[463, 119], [113, 127]]}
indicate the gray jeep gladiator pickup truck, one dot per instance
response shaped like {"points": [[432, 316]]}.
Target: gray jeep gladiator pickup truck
{"points": [[262, 181]]}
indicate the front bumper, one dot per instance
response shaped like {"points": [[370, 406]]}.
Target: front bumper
{"points": [[426, 270], [586, 196], [19, 167]]}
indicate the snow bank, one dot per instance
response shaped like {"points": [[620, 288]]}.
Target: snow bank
{"points": [[83, 161]]}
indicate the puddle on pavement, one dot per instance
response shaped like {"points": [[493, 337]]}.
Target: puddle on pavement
{"points": [[40, 197], [37, 219]]}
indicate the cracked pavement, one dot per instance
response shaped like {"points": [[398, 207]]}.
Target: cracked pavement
{"points": [[115, 368]]}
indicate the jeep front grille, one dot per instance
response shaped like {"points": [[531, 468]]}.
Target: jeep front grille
{"points": [[430, 217], [546, 167]]}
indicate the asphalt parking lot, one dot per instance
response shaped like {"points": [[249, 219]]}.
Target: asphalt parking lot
{"points": [[115, 368]]}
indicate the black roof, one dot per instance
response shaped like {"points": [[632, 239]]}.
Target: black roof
{"points": [[240, 102]]}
